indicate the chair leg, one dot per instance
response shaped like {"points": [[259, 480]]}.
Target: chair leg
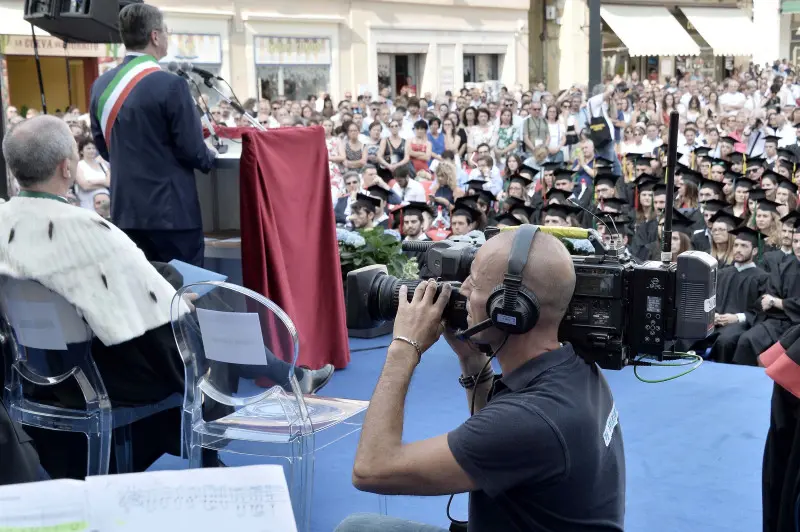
{"points": [[98, 453], [195, 456], [123, 449]]}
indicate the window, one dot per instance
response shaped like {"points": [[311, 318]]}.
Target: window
{"points": [[292, 67]]}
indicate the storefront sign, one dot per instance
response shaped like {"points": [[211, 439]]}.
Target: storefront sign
{"points": [[292, 51], [53, 46], [197, 48]]}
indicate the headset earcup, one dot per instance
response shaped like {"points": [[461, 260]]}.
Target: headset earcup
{"points": [[495, 302], [528, 305]]}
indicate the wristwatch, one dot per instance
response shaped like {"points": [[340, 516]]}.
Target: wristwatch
{"points": [[470, 381]]}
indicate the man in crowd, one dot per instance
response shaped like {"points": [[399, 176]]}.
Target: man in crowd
{"points": [[363, 211], [145, 123], [543, 448]]}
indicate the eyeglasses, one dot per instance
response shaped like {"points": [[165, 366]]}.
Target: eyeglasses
{"points": [[394, 125], [536, 108], [351, 183]]}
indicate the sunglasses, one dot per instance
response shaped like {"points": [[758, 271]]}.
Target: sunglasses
{"points": [[394, 125], [351, 183]]}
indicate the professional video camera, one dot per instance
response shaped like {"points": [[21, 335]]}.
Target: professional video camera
{"points": [[620, 309]]}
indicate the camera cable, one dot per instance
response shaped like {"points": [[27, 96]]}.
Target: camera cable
{"points": [[494, 353], [686, 359]]}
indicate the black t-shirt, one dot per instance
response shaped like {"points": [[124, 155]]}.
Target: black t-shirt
{"points": [[546, 451]]}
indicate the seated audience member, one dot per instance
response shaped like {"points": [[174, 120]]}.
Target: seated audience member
{"points": [[780, 307], [364, 211], [99, 270], [773, 259], [543, 448], [466, 216], [739, 290]]}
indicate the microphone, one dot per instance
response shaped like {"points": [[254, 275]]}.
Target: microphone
{"points": [[205, 74], [175, 69], [475, 329]]}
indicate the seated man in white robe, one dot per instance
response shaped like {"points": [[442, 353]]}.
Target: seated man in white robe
{"points": [[100, 271]]}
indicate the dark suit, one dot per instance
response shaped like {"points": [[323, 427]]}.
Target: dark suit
{"points": [[156, 144]]}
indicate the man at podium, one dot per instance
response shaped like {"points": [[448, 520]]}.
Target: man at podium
{"points": [[145, 123]]}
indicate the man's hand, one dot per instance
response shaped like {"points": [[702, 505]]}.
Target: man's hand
{"points": [[726, 319], [421, 319], [767, 302], [465, 349]]}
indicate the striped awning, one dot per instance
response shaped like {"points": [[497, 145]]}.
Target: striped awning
{"points": [[649, 30]]}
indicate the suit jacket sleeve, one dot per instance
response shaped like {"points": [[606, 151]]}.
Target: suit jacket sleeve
{"points": [[184, 123], [97, 132]]}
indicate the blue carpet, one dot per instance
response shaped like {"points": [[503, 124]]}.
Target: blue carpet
{"points": [[693, 446]]}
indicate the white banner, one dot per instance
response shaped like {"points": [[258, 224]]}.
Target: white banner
{"points": [[293, 51]]}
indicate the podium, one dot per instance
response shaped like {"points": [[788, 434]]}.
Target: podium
{"points": [[218, 192]]}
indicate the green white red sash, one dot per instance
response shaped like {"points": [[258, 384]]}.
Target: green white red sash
{"points": [[120, 87]]}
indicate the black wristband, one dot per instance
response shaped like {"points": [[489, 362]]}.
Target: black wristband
{"points": [[471, 381]]}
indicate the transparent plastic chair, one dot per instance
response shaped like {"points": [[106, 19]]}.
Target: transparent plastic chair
{"points": [[51, 380], [230, 337]]}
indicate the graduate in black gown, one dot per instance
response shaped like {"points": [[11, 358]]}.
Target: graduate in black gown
{"points": [[780, 489], [739, 291], [701, 238], [780, 309], [647, 232], [774, 258]]}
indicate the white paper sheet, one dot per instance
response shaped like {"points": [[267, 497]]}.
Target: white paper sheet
{"points": [[194, 274], [54, 506], [36, 323], [232, 337], [254, 498]]}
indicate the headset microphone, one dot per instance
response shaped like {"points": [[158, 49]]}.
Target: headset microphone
{"points": [[475, 329]]}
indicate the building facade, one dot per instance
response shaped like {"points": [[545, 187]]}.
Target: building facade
{"points": [[295, 48]]}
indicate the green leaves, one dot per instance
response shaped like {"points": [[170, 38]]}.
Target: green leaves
{"points": [[378, 248]]}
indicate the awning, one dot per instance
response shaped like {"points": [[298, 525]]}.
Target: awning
{"points": [[649, 30], [727, 31]]}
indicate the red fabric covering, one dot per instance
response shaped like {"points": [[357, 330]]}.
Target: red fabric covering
{"points": [[768, 357], [785, 372], [289, 249], [226, 132]]}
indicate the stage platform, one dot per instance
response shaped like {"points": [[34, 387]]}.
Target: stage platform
{"points": [[693, 446]]}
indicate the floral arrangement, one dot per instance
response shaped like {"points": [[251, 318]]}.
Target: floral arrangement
{"points": [[374, 246]]}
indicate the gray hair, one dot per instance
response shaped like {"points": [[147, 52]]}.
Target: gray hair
{"points": [[137, 22], [35, 148], [598, 89]]}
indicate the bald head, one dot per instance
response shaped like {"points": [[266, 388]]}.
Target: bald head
{"points": [[548, 273], [37, 147]]}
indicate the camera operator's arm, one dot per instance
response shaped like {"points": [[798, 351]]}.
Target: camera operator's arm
{"points": [[384, 464], [472, 363]]}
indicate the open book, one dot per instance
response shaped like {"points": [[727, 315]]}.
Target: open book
{"points": [[253, 498]]}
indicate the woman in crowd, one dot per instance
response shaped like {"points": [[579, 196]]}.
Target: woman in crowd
{"points": [[712, 108], [327, 107], [667, 106], [481, 133], [644, 207], [452, 139], [558, 135], [374, 144], [445, 189], [768, 222], [354, 152], [93, 174], [462, 136], [393, 153], [420, 147], [513, 164], [505, 137], [693, 110], [335, 159], [469, 118], [722, 240]]}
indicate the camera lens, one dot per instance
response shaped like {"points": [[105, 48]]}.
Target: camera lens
{"points": [[384, 300]]}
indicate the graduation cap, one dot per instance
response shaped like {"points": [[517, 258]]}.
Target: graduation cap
{"points": [[792, 218], [557, 193], [416, 207], [508, 219], [615, 203], [690, 176], [772, 138], [702, 151], [788, 185], [789, 165], [786, 153], [660, 188], [562, 211], [606, 177], [646, 182], [757, 194], [548, 167], [745, 182], [728, 139], [748, 235], [755, 162], [682, 223], [562, 174], [720, 162], [522, 180], [615, 220], [512, 202], [772, 175], [379, 192], [767, 205], [467, 205], [737, 158], [602, 162], [526, 211], [476, 184], [716, 186], [530, 170], [369, 200], [714, 205], [643, 160], [726, 216], [486, 195]]}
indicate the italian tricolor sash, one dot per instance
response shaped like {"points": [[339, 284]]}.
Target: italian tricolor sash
{"points": [[120, 87]]}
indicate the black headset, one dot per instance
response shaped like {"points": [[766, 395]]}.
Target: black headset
{"points": [[512, 307]]}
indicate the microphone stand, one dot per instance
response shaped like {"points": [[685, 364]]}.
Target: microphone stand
{"points": [[672, 158], [210, 84]]}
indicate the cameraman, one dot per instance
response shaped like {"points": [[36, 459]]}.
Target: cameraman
{"points": [[543, 450]]}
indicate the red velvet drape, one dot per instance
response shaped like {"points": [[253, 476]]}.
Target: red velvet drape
{"points": [[289, 249]]}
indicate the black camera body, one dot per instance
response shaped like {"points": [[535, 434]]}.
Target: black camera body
{"points": [[620, 309]]}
